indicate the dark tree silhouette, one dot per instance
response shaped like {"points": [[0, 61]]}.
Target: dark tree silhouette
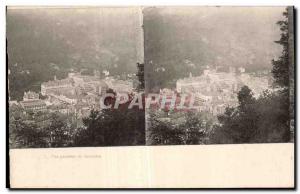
{"points": [[281, 66], [113, 127], [193, 130]]}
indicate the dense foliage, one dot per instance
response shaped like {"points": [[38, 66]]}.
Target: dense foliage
{"points": [[175, 128], [111, 127], [266, 119]]}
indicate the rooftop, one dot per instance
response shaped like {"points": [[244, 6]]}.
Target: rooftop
{"points": [[33, 103], [66, 81]]}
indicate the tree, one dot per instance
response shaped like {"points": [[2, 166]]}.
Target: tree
{"points": [[192, 129], [58, 132], [262, 120], [163, 132], [238, 125], [195, 128], [27, 135], [245, 98], [113, 127], [23, 131], [280, 69], [272, 124], [141, 78]]}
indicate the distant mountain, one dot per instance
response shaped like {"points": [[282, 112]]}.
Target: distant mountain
{"points": [[208, 36], [48, 42], [229, 36]]}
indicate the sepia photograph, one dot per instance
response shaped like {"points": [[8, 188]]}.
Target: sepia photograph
{"points": [[150, 96], [222, 75], [212, 75], [62, 63]]}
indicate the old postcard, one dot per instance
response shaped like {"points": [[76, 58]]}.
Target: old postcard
{"points": [[151, 97]]}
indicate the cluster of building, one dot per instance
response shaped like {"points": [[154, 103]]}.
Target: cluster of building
{"points": [[32, 102], [77, 94], [215, 90]]}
